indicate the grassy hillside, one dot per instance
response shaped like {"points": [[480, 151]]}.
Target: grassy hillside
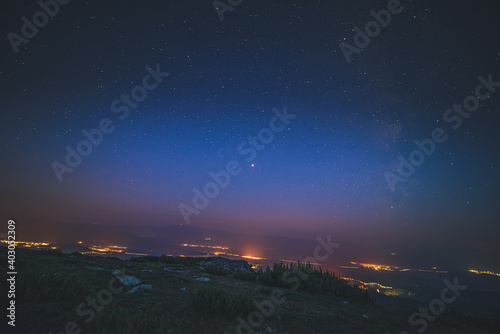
{"points": [[58, 292]]}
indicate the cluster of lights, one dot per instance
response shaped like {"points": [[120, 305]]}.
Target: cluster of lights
{"points": [[433, 270], [365, 285], [378, 266], [252, 257], [203, 246], [85, 253], [140, 254], [484, 272], [223, 253], [100, 250], [292, 261], [391, 268], [110, 249], [27, 244]]}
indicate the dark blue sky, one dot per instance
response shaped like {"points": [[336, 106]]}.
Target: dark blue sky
{"points": [[323, 172]]}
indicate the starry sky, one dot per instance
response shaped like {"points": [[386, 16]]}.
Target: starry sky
{"points": [[324, 172]]}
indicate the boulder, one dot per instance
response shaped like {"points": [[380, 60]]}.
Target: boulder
{"points": [[129, 280], [203, 279], [234, 265]]}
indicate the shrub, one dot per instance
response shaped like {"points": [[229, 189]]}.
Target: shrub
{"points": [[144, 318], [214, 301], [54, 287], [216, 269], [312, 280], [245, 275]]}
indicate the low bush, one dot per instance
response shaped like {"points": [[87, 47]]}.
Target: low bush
{"points": [[309, 279], [214, 301], [245, 275], [216, 269]]}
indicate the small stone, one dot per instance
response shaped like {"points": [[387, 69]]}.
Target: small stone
{"points": [[203, 279]]}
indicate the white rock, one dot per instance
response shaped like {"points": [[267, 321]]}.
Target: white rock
{"points": [[203, 279], [129, 280]]}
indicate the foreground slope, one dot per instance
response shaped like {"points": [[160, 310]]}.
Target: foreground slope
{"points": [[62, 293]]}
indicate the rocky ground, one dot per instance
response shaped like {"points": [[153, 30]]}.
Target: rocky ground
{"points": [[61, 293]]}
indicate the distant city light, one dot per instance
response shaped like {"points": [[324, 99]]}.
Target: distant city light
{"points": [[252, 257], [484, 272]]}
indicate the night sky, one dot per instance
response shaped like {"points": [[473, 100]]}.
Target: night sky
{"points": [[324, 171]]}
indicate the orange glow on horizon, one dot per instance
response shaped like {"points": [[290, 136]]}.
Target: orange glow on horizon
{"points": [[252, 257]]}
